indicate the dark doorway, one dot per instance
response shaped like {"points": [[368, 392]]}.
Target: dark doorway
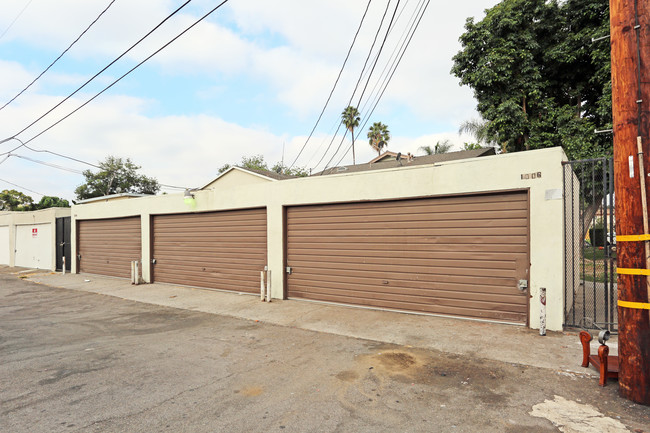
{"points": [[63, 243]]}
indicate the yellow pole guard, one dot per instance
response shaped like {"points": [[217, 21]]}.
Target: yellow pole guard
{"points": [[630, 271], [635, 305], [632, 238]]}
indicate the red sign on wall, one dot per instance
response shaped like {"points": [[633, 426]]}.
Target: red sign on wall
{"points": [[34, 232]]}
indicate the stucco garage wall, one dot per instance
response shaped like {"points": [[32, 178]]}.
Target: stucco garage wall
{"points": [[539, 172], [4, 245], [31, 251], [33, 246]]}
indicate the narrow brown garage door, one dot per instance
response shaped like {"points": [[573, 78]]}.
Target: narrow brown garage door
{"points": [[108, 246], [459, 256], [219, 250]]}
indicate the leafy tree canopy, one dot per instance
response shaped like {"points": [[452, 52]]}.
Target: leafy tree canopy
{"points": [[49, 201], [115, 176], [538, 79], [12, 200], [256, 162]]}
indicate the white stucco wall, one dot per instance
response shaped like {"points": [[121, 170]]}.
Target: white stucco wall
{"points": [[485, 174], [34, 246], [38, 251], [4, 245]]}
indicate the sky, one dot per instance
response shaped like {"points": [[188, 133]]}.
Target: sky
{"points": [[250, 79]]}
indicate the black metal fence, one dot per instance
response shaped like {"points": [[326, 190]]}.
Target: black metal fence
{"points": [[590, 245]]}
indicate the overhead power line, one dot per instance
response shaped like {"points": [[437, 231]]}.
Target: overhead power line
{"points": [[393, 56], [15, 19], [70, 169], [60, 55], [361, 75], [117, 80], [105, 67], [21, 187], [337, 123], [335, 83], [381, 48], [389, 77]]}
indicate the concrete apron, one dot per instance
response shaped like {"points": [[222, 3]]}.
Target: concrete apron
{"points": [[558, 351]]}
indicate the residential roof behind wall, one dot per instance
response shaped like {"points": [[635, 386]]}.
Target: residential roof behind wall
{"points": [[267, 175], [418, 160]]}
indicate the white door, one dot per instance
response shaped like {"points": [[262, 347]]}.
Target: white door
{"points": [[34, 246], [4, 245]]}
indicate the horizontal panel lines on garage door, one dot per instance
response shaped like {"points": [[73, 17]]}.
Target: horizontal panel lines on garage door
{"points": [[220, 250], [465, 311], [431, 201], [375, 282], [422, 260], [330, 250], [456, 299], [397, 230], [297, 246], [439, 255], [493, 239], [406, 207], [442, 213], [107, 247]]}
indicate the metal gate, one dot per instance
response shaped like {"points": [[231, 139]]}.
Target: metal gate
{"points": [[63, 247], [590, 245]]}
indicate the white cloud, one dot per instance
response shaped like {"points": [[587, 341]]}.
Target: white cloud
{"points": [[289, 49]]}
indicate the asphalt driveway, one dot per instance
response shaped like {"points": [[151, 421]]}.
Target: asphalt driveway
{"points": [[74, 361]]}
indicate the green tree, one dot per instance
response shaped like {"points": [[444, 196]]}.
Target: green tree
{"points": [[471, 146], [379, 136], [257, 162], [443, 146], [12, 200], [115, 176], [537, 78], [47, 202], [280, 168], [350, 119]]}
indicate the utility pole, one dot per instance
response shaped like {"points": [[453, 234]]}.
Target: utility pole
{"points": [[630, 42]]}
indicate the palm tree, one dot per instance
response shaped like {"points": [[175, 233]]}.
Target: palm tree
{"points": [[350, 119], [443, 146], [478, 128], [379, 135]]}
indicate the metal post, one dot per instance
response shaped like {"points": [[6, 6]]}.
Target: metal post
{"points": [[542, 311], [262, 285]]}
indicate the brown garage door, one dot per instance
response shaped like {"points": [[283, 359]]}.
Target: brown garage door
{"points": [[460, 256], [219, 250], [108, 246]]}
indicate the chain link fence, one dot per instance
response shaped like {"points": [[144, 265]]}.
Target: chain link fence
{"points": [[590, 245]]}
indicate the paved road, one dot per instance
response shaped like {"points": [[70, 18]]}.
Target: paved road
{"points": [[72, 361]]}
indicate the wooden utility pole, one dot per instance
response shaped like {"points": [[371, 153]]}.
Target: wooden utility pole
{"points": [[630, 41]]}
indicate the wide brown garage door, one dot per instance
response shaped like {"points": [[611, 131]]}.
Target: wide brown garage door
{"points": [[108, 246], [459, 256], [218, 250]]}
